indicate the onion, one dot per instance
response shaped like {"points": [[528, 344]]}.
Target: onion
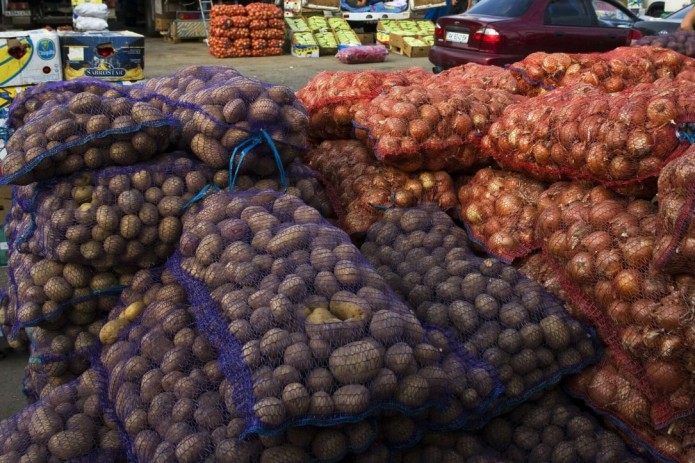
{"points": [[604, 293], [549, 220], [633, 341], [627, 284], [670, 347], [655, 287], [608, 263], [419, 129], [661, 111], [641, 311], [508, 204], [641, 208], [602, 390], [604, 212], [624, 225], [596, 242], [669, 446], [634, 408], [665, 376], [474, 215], [669, 316], [575, 212], [430, 114], [557, 244], [621, 168], [638, 251], [414, 187], [462, 124], [502, 242], [619, 311], [581, 268], [597, 160], [342, 114], [492, 226]]}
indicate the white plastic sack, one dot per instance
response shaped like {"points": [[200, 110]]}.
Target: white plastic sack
{"points": [[92, 10], [83, 23]]}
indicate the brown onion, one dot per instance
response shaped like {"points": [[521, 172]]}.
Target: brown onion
{"points": [[638, 251], [641, 311], [596, 242], [627, 284], [665, 376], [604, 212], [602, 390], [661, 111], [581, 268], [669, 316], [619, 311], [508, 204], [608, 263]]}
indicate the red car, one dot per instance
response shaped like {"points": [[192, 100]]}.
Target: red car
{"points": [[500, 32]]}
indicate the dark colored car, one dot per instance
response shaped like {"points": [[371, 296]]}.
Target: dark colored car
{"points": [[500, 32], [664, 25]]}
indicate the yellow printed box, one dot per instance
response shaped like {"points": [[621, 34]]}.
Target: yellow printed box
{"points": [[29, 57], [106, 55]]}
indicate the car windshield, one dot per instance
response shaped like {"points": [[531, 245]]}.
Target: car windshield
{"points": [[680, 14], [504, 8]]}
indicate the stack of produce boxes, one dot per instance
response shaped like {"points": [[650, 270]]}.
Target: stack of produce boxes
{"points": [[410, 38], [303, 42], [256, 29]]}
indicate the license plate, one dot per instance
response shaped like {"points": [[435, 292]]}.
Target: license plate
{"points": [[18, 13], [457, 37]]}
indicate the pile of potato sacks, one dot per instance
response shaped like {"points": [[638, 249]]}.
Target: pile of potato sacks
{"points": [[172, 321]]}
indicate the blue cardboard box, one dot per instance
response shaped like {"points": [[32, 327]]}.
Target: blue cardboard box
{"points": [[106, 55]]}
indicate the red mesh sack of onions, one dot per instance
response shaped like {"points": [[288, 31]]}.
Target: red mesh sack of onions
{"points": [[581, 132], [362, 54], [474, 75], [362, 188], [601, 246], [499, 211], [613, 71], [537, 268], [330, 95], [613, 392], [675, 250], [432, 128]]}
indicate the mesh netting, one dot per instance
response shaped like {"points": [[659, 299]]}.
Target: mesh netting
{"points": [[257, 29], [601, 246], [499, 212], [302, 182], [87, 131], [48, 95], [362, 54], [581, 132], [233, 121], [66, 424], [675, 247], [41, 377], [115, 216], [44, 292], [474, 75], [362, 188], [537, 268], [680, 41], [330, 97], [612, 71], [277, 285], [434, 128], [503, 318]]}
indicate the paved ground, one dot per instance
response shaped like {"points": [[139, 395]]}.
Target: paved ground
{"points": [[163, 58]]}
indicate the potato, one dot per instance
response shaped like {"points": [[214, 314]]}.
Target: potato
{"points": [[270, 411], [210, 151], [69, 444], [296, 399], [329, 445], [284, 454], [357, 362], [288, 240]]}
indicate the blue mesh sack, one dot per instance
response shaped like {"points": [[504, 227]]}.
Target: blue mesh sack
{"points": [[69, 424], [550, 428], [173, 395], [501, 317], [89, 131], [274, 284], [44, 292], [230, 120], [48, 95], [118, 216]]}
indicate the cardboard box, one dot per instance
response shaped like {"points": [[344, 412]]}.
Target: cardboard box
{"points": [[366, 39], [398, 45], [106, 55], [304, 50], [29, 57]]}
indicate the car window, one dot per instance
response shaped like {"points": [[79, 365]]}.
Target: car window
{"points": [[504, 8], [680, 14], [567, 13], [610, 15]]}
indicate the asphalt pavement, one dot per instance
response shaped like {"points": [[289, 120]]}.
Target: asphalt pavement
{"points": [[162, 58]]}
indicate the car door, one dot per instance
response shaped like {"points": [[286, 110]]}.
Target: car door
{"points": [[614, 25], [568, 24]]}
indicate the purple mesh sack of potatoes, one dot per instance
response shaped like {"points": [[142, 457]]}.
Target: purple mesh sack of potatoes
{"points": [[275, 285], [115, 216], [226, 116], [172, 396], [499, 316], [68, 424], [88, 131]]}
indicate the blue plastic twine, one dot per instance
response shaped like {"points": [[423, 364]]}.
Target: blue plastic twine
{"points": [[246, 147], [685, 132], [386, 208], [201, 194]]}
